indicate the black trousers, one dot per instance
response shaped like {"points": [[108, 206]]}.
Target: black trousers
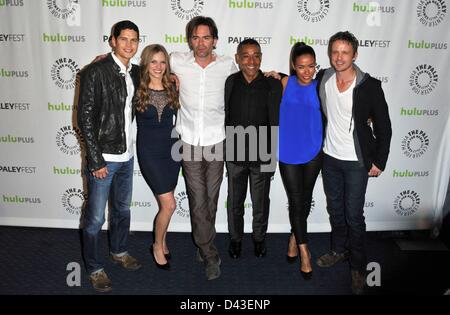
{"points": [[238, 177], [299, 181]]}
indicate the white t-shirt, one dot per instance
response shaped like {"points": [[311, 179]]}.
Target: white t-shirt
{"points": [[339, 132]]}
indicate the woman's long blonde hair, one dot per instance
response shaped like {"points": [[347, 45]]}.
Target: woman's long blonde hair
{"points": [[142, 94]]}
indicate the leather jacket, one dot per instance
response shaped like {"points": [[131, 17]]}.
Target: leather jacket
{"points": [[101, 104]]}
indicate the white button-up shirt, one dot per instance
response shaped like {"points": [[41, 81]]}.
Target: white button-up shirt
{"points": [[126, 156], [201, 118]]}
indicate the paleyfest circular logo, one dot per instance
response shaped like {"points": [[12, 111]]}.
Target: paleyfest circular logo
{"points": [[407, 203], [182, 205], [423, 79], [63, 8], [72, 200], [415, 143], [313, 10], [64, 73], [431, 12], [69, 140], [187, 9]]}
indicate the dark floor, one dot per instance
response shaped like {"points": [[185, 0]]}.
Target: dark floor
{"points": [[34, 260]]}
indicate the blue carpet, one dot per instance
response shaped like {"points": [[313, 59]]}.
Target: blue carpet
{"points": [[33, 262]]}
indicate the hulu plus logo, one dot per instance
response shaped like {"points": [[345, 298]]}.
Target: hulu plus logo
{"points": [[417, 112], [421, 44], [175, 39], [61, 107], [20, 199], [4, 73], [249, 4], [11, 3], [408, 173], [61, 38], [66, 171], [124, 3], [15, 139]]}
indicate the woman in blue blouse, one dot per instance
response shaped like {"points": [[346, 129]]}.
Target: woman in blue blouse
{"points": [[300, 148]]}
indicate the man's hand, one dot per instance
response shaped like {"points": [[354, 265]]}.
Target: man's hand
{"points": [[101, 173], [374, 171], [272, 74], [175, 80]]}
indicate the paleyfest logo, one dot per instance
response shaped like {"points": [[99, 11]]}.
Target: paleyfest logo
{"points": [[187, 9], [423, 80], [431, 12], [69, 140], [415, 143], [68, 10], [182, 205], [313, 10], [407, 203], [72, 200], [64, 73]]}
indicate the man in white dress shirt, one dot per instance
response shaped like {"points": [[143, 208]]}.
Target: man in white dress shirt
{"points": [[201, 125]]}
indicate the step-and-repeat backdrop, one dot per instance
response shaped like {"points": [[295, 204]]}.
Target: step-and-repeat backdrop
{"points": [[45, 43]]}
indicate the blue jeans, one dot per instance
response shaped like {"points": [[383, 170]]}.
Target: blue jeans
{"points": [[116, 187], [345, 184]]}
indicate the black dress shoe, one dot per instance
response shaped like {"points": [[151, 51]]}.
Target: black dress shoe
{"points": [[235, 250], [260, 249], [165, 266]]}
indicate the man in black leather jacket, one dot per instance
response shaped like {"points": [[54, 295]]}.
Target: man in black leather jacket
{"points": [[105, 115]]}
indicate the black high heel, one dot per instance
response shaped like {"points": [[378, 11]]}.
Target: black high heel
{"points": [[305, 275], [165, 266], [168, 256], [291, 259]]}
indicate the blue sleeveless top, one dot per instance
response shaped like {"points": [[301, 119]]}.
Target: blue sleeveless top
{"points": [[300, 133]]}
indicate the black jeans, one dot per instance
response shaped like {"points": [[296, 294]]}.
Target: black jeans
{"points": [[345, 184], [238, 177], [299, 181]]}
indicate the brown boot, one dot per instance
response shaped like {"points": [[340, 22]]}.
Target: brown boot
{"points": [[100, 281], [126, 261]]}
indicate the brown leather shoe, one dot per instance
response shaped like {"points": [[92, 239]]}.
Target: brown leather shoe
{"points": [[100, 281], [126, 261]]}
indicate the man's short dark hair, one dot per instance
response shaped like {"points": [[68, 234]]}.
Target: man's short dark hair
{"points": [[247, 41], [346, 37], [201, 20], [124, 25]]}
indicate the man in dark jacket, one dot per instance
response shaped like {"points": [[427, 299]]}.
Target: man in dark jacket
{"points": [[252, 104], [356, 146], [105, 115]]}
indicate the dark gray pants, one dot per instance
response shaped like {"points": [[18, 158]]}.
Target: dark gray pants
{"points": [[203, 178], [238, 177]]}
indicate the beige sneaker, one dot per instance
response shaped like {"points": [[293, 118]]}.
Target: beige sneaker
{"points": [[127, 261], [100, 281]]}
